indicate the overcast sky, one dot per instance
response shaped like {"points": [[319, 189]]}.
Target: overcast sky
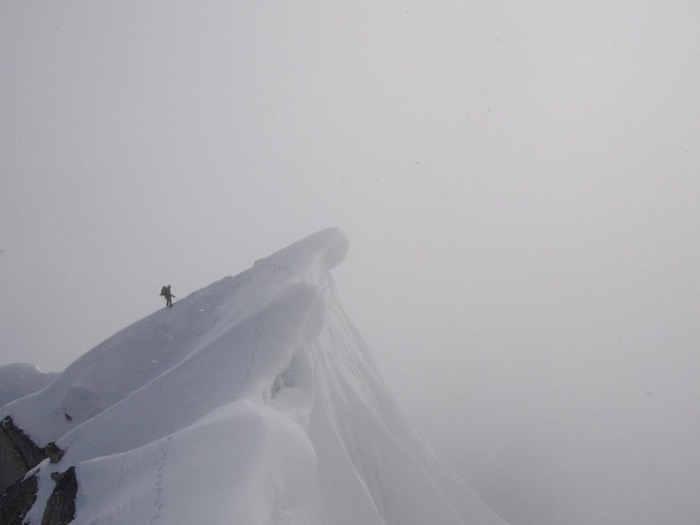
{"points": [[519, 183]]}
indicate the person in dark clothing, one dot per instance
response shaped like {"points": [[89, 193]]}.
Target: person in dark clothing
{"points": [[165, 292]]}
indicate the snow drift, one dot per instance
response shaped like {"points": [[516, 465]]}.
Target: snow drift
{"points": [[252, 401]]}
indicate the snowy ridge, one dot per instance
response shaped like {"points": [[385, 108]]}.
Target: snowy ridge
{"points": [[252, 401], [19, 379]]}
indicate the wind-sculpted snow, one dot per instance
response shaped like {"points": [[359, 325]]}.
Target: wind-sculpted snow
{"points": [[252, 401], [19, 379]]}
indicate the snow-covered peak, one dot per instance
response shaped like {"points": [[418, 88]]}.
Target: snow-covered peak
{"points": [[252, 401]]}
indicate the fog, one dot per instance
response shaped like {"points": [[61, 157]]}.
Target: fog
{"points": [[519, 185]]}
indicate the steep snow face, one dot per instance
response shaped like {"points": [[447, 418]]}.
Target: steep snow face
{"points": [[252, 401]]}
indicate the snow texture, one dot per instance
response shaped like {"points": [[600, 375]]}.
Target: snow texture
{"points": [[19, 379], [252, 401]]}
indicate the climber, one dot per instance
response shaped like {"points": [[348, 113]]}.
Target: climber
{"points": [[165, 292]]}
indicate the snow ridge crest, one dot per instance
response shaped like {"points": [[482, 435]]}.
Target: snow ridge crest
{"points": [[252, 401]]}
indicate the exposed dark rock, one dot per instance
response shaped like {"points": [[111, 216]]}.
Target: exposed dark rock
{"points": [[17, 500], [54, 453], [18, 454], [60, 509]]}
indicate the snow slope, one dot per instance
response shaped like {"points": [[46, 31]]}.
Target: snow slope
{"points": [[252, 401], [19, 379]]}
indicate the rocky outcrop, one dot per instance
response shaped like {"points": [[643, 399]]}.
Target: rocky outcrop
{"points": [[17, 500], [60, 509], [18, 455]]}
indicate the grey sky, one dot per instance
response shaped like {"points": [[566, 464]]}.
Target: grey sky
{"points": [[519, 184]]}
